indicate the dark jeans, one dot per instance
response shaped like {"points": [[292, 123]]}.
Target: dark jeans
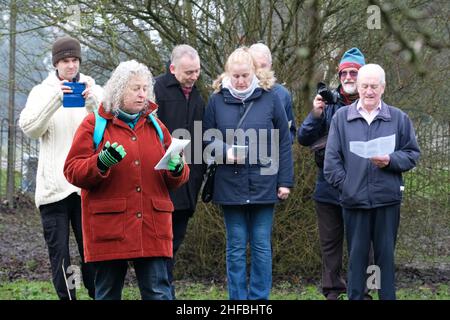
{"points": [[56, 218], [180, 220], [331, 234], [151, 274], [377, 226]]}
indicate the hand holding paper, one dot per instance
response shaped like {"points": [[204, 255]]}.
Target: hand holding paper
{"points": [[237, 153], [175, 148], [381, 161], [175, 163]]}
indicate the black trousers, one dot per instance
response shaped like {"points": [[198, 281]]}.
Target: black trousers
{"points": [[180, 220], [56, 218], [331, 234]]}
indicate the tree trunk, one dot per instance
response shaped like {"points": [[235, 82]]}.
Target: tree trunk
{"points": [[11, 120]]}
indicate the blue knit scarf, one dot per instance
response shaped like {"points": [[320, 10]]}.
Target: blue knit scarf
{"points": [[129, 119]]}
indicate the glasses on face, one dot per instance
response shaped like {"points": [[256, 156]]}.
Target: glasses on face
{"points": [[352, 73]]}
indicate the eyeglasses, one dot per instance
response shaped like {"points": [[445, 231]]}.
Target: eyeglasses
{"points": [[352, 73]]}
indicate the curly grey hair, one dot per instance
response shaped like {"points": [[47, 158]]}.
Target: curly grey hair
{"points": [[116, 85]]}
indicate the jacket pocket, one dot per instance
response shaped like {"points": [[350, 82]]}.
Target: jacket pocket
{"points": [[162, 216], [349, 191], [108, 219]]}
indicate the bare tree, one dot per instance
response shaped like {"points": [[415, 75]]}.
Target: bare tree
{"points": [[11, 119]]}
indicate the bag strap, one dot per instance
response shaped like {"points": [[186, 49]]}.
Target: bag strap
{"points": [[157, 127], [99, 129], [100, 126], [244, 115], [238, 125]]}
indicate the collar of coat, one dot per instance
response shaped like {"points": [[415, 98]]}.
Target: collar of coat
{"points": [[353, 113], [172, 81], [52, 79], [229, 98]]}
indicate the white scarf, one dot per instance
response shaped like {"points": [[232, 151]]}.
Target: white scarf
{"points": [[241, 94]]}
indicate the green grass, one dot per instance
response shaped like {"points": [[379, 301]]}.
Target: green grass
{"points": [[441, 292], [43, 290]]}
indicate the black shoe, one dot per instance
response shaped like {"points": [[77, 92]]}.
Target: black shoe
{"points": [[335, 296], [367, 296]]}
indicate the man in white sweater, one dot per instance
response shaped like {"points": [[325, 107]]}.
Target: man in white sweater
{"points": [[45, 118]]}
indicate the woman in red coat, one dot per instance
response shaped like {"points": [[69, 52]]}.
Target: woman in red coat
{"points": [[125, 201]]}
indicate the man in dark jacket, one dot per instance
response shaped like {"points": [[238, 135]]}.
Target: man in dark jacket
{"points": [[369, 145], [313, 132], [180, 107]]}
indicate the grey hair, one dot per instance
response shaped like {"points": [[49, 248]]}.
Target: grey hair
{"points": [[183, 50], [370, 69], [115, 87], [262, 49]]}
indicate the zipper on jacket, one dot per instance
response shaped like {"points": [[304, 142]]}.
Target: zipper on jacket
{"points": [[369, 171]]}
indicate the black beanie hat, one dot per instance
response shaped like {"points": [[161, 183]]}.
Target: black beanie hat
{"points": [[65, 47]]}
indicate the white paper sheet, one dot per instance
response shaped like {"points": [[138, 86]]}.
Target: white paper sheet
{"points": [[375, 147], [175, 147]]}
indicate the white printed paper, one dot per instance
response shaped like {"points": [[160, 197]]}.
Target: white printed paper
{"points": [[376, 147], [175, 147]]}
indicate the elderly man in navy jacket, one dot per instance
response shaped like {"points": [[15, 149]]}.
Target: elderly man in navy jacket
{"points": [[180, 107], [369, 145]]}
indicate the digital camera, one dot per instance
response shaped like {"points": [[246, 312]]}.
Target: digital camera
{"points": [[329, 96], [74, 99]]}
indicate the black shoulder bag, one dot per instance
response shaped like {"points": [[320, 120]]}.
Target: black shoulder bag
{"points": [[318, 147], [208, 181]]}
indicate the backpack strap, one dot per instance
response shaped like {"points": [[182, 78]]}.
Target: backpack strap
{"points": [[99, 129], [157, 127], [100, 126]]}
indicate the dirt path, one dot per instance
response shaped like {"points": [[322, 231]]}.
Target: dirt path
{"points": [[23, 253]]}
